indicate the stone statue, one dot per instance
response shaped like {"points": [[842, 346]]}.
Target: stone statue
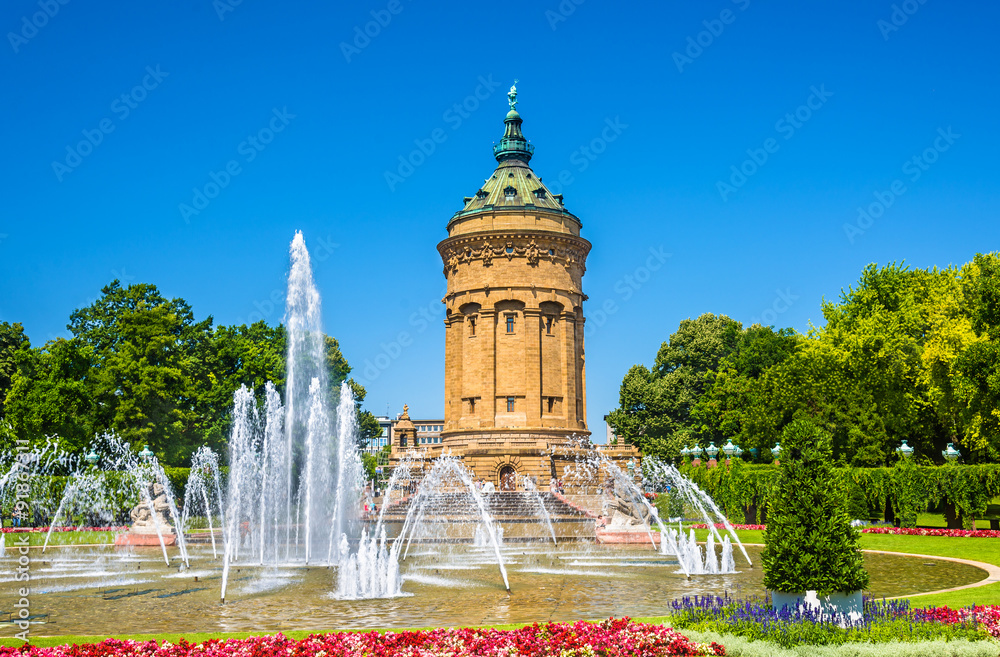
{"points": [[532, 253], [146, 516], [512, 96], [619, 506]]}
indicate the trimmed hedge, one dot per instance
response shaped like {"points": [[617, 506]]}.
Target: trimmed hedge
{"points": [[901, 492]]}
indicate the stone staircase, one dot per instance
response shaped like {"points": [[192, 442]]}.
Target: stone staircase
{"points": [[518, 513]]}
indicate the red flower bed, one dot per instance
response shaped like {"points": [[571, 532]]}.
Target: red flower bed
{"points": [[719, 525], [907, 531], [988, 616], [610, 638], [918, 531], [20, 530]]}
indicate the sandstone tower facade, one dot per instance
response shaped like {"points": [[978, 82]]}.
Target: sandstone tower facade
{"points": [[514, 355], [515, 381]]}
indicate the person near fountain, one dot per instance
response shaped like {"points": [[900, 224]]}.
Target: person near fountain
{"points": [[489, 488]]}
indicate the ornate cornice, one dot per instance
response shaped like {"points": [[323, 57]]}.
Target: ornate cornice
{"points": [[569, 250]]}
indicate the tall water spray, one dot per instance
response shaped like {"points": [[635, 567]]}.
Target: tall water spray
{"points": [[307, 405], [295, 474]]}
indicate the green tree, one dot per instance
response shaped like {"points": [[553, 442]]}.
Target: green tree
{"points": [[51, 394], [863, 376], [368, 426], [977, 368], [641, 415], [150, 364], [735, 404], [241, 355], [810, 544], [655, 406], [13, 341]]}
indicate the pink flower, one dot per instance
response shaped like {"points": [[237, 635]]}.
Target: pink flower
{"points": [[616, 637], [920, 531]]}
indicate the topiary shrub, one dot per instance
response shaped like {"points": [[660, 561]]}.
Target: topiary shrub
{"points": [[809, 543], [910, 498]]}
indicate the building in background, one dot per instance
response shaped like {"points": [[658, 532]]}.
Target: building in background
{"points": [[428, 432]]}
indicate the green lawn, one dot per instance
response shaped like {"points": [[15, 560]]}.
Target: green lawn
{"points": [[37, 539], [977, 549]]}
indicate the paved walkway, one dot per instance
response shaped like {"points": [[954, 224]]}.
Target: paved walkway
{"points": [[992, 572]]}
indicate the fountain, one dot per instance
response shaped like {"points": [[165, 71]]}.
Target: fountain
{"points": [[690, 556], [293, 491], [528, 484], [283, 464], [138, 479], [372, 572], [666, 477], [203, 493], [448, 506], [631, 515]]}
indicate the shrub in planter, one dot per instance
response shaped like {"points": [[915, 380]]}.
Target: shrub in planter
{"points": [[810, 545]]}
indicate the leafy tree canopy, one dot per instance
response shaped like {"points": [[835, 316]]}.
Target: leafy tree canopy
{"points": [[141, 365], [906, 353]]}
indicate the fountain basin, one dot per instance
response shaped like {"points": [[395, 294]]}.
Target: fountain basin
{"points": [[90, 590], [639, 536], [144, 540]]}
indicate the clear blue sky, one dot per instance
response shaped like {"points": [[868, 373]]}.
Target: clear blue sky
{"points": [[776, 240]]}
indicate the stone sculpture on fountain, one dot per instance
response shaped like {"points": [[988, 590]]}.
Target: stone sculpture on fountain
{"points": [[624, 513], [150, 520]]}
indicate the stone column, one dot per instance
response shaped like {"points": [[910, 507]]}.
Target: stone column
{"points": [[533, 367], [581, 420], [488, 320], [452, 366], [568, 320]]}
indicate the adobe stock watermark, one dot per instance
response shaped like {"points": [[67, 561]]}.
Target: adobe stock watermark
{"points": [[913, 168], [421, 320], [31, 25], [898, 17], [454, 116], [625, 288], [363, 35], [122, 107], [319, 251], [562, 12], [249, 148], [787, 126], [223, 7], [714, 28], [122, 276], [21, 512], [585, 155], [782, 302]]}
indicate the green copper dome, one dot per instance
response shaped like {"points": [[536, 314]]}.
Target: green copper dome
{"points": [[513, 145], [513, 185]]}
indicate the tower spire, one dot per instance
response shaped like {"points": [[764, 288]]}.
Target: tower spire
{"points": [[513, 145]]}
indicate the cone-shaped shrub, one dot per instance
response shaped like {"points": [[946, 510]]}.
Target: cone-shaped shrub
{"points": [[809, 543]]}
